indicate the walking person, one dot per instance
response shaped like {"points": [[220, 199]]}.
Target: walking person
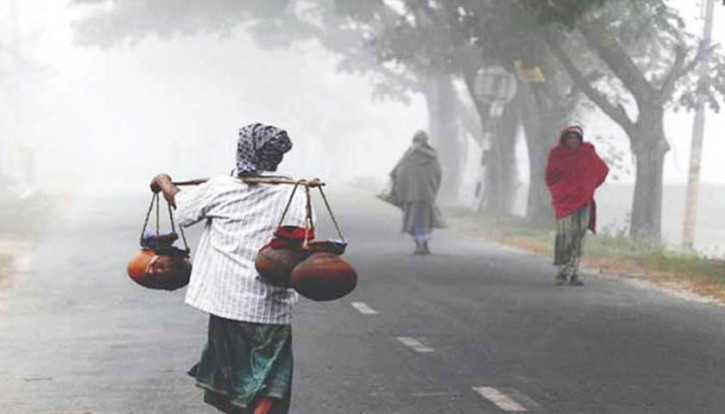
{"points": [[246, 365], [416, 181], [573, 172]]}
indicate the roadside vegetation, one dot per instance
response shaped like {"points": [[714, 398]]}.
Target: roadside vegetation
{"points": [[21, 221], [27, 217], [5, 263], [611, 251]]}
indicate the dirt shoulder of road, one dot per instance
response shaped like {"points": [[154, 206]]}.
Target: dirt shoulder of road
{"points": [[686, 275], [21, 222], [13, 255], [6, 262]]}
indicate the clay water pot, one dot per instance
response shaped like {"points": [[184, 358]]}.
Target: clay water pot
{"points": [[324, 276], [275, 264], [327, 246], [159, 271]]}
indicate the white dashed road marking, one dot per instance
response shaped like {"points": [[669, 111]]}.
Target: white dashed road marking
{"points": [[415, 344], [501, 400], [437, 394], [363, 308]]}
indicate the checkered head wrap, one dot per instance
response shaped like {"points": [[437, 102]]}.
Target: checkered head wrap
{"points": [[260, 148]]}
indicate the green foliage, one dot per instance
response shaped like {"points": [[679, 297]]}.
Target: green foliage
{"points": [[655, 37], [563, 12], [711, 87], [615, 158], [420, 40], [136, 19], [342, 26], [359, 10], [653, 34]]}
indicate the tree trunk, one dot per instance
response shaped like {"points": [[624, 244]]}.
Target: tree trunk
{"points": [[541, 132], [649, 147], [442, 103], [502, 173]]}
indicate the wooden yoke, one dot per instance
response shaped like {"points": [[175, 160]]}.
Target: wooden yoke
{"points": [[314, 183]]}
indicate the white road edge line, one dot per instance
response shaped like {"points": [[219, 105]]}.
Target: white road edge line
{"points": [[363, 308], [501, 400], [415, 344], [68, 412]]}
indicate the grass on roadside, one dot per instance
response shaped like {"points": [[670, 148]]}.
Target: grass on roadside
{"points": [[21, 221], [609, 252], [5, 263]]}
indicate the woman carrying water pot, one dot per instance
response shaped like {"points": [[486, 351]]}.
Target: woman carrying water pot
{"points": [[246, 365]]}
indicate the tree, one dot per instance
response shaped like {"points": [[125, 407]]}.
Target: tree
{"points": [[432, 39], [16, 155], [646, 62], [513, 39], [342, 26], [547, 107], [459, 37], [133, 20], [639, 49]]}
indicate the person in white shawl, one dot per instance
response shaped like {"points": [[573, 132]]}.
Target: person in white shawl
{"points": [[416, 181]]}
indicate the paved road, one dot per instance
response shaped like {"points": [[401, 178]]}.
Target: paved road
{"points": [[472, 329]]}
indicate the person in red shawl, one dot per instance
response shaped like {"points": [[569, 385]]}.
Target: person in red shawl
{"points": [[573, 172]]}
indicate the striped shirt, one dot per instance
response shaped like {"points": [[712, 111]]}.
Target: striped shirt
{"points": [[239, 220]]}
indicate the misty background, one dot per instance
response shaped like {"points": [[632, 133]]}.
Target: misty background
{"points": [[93, 119], [111, 119]]}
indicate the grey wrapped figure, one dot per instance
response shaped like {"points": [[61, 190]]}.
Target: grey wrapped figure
{"points": [[416, 180]]}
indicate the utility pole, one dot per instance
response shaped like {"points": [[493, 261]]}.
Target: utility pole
{"points": [[698, 133]]}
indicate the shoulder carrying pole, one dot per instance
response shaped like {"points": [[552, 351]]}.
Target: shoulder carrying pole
{"points": [[314, 183]]}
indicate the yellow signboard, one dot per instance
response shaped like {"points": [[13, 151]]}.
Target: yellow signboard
{"points": [[529, 75]]}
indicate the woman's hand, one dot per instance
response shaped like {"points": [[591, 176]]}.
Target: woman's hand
{"points": [[163, 183]]}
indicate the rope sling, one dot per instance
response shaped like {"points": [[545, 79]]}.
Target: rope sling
{"points": [[313, 268], [155, 201], [159, 264]]}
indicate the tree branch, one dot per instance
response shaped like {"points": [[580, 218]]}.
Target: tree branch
{"points": [[617, 113], [681, 69], [618, 61], [675, 72], [345, 43]]}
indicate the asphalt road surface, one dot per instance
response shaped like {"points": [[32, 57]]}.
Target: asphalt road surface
{"points": [[475, 328]]}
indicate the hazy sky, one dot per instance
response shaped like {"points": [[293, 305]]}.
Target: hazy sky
{"points": [[127, 113], [124, 114]]}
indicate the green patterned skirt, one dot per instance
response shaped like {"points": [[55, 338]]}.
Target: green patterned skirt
{"points": [[243, 362], [569, 244]]}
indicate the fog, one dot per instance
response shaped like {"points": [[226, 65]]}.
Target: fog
{"points": [[87, 118], [111, 119]]}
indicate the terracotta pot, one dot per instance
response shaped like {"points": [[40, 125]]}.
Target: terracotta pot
{"points": [[275, 264], [324, 276], [326, 246], [159, 271]]}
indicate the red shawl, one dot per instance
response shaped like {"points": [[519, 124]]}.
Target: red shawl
{"points": [[572, 176]]}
